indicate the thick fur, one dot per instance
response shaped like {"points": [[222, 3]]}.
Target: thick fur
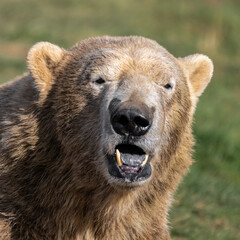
{"points": [[55, 133]]}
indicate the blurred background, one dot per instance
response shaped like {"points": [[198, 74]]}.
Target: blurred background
{"points": [[207, 204]]}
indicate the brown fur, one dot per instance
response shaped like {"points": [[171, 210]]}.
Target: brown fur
{"points": [[54, 182]]}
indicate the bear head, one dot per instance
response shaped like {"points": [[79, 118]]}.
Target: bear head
{"points": [[121, 107]]}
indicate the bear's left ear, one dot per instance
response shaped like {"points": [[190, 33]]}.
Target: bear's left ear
{"points": [[43, 58], [199, 70]]}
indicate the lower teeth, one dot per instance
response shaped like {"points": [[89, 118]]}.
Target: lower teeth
{"points": [[128, 169]]}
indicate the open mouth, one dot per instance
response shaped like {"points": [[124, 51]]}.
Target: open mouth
{"points": [[130, 158], [130, 163]]}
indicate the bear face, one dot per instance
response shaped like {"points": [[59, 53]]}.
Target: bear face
{"points": [[126, 101]]}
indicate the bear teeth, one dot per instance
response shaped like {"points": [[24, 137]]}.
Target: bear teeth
{"points": [[145, 160], [119, 160]]}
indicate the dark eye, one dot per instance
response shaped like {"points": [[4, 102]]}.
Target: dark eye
{"points": [[100, 81], [168, 86]]}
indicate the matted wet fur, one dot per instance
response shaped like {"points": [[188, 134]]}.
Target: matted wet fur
{"points": [[74, 133]]}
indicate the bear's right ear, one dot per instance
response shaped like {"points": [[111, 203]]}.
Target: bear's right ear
{"points": [[42, 58]]}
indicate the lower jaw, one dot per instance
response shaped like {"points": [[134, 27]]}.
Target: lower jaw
{"points": [[129, 179], [123, 184]]}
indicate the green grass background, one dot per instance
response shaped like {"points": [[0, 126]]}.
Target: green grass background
{"points": [[207, 204]]}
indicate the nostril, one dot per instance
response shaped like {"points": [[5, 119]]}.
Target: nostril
{"points": [[122, 119], [141, 121]]}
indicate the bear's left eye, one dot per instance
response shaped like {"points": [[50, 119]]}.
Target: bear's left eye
{"points": [[100, 81], [168, 86]]}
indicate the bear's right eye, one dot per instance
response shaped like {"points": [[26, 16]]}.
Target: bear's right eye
{"points": [[100, 81]]}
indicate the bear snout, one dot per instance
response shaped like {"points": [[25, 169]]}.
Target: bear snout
{"points": [[131, 118], [130, 122]]}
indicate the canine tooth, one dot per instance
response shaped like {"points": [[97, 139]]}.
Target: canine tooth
{"points": [[119, 160], [145, 161]]}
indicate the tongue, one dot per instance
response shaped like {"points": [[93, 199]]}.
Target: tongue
{"points": [[132, 159]]}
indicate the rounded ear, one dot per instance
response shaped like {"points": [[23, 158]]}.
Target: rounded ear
{"points": [[42, 58], [199, 70]]}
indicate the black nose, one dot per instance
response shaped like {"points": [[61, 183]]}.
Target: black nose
{"points": [[130, 122]]}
